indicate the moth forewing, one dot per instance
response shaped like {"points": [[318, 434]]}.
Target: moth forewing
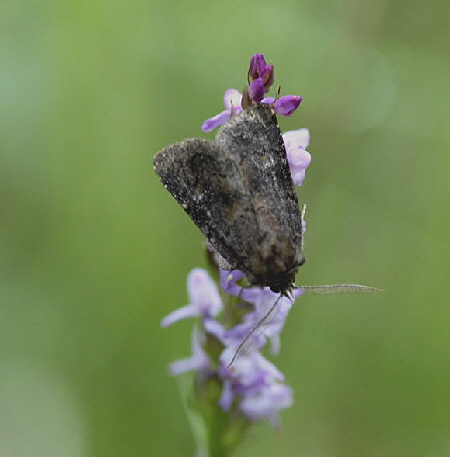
{"points": [[238, 190]]}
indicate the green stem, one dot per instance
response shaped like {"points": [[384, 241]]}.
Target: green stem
{"points": [[215, 420], [225, 430]]}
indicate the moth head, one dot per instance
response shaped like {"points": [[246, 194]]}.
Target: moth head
{"points": [[282, 283]]}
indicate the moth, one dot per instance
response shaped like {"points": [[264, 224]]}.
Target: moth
{"points": [[239, 192]]}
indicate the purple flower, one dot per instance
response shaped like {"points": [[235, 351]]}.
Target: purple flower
{"points": [[262, 299], [260, 70], [256, 90], [261, 78], [267, 403], [295, 142], [287, 104], [251, 382], [257, 66], [256, 384], [205, 299], [232, 101], [199, 361]]}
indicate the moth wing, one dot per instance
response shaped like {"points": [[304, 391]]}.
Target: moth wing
{"points": [[207, 182], [254, 139]]}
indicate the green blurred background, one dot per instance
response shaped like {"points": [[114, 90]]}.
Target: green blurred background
{"points": [[95, 251]]}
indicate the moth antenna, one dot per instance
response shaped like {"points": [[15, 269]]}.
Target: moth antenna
{"points": [[336, 289], [253, 330]]}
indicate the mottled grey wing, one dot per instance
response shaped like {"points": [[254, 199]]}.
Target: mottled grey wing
{"points": [[239, 192], [208, 184], [254, 140]]}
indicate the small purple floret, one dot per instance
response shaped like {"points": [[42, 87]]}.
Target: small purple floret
{"points": [[287, 104], [295, 142], [251, 380], [213, 122], [260, 70], [267, 403], [199, 361], [205, 299], [258, 385], [232, 101], [256, 90], [257, 66]]}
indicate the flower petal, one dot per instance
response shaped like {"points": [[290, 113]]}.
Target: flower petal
{"points": [[298, 177], [214, 328], [275, 344], [232, 100], [199, 361], [228, 281], [183, 365], [287, 104], [299, 158], [268, 100], [180, 313], [296, 138], [215, 121], [203, 292], [226, 399], [256, 90], [267, 402], [257, 66]]}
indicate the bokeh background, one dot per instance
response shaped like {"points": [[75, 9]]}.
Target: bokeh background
{"points": [[94, 251]]}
